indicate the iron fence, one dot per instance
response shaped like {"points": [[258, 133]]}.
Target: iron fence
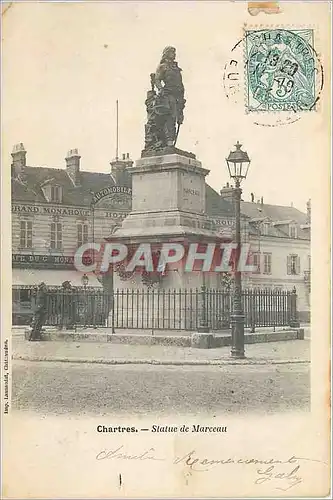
{"points": [[156, 309]]}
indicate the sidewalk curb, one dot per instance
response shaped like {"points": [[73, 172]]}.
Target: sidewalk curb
{"points": [[194, 340], [218, 362]]}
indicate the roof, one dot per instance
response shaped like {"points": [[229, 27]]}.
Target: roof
{"points": [[28, 186], [276, 213], [216, 206]]}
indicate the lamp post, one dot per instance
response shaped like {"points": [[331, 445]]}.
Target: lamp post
{"points": [[113, 230], [85, 281], [238, 164]]}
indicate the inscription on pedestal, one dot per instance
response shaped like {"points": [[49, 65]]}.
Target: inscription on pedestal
{"points": [[192, 192]]}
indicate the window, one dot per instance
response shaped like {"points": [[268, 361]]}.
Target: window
{"points": [[25, 297], [264, 228], [25, 234], [82, 234], [309, 262], [56, 235], [56, 194], [256, 261], [293, 264], [267, 263], [292, 231]]}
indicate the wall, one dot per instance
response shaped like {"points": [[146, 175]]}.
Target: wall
{"points": [[42, 215], [280, 248]]}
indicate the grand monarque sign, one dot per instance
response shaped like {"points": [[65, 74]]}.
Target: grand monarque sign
{"points": [[46, 261], [66, 211]]}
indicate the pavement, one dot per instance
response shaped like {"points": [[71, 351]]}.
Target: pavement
{"points": [[275, 353], [98, 389]]}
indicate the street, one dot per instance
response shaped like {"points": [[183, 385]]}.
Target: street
{"points": [[87, 389]]}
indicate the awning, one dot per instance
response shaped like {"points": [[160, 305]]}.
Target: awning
{"points": [[51, 277]]}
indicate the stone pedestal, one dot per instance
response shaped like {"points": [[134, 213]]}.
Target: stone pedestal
{"points": [[168, 200]]}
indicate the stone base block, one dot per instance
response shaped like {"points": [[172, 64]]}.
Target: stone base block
{"points": [[300, 334], [168, 150], [44, 334], [202, 340]]}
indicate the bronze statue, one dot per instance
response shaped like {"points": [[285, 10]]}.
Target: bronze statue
{"points": [[165, 105]]}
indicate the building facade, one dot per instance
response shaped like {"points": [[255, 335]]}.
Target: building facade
{"points": [[54, 212], [280, 239]]}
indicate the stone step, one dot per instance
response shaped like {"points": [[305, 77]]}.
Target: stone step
{"points": [[195, 340]]}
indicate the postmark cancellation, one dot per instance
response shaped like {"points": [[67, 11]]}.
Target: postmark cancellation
{"points": [[281, 70]]}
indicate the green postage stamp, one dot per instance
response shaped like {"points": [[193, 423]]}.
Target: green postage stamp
{"points": [[280, 70]]}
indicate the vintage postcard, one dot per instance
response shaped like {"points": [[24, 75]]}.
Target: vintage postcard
{"points": [[165, 257]]}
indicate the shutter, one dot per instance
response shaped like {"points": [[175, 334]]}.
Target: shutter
{"points": [[29, 234], [85, 233], [22, 234], [257, 262], [59, 235], [53, 236], [79, 235], [289, 264], [298, 265]]}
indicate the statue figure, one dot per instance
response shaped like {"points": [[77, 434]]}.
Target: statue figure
{"points": [[165, 104]]}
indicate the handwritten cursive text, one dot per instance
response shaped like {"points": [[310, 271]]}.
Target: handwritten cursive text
{"points": [[120, 455]]}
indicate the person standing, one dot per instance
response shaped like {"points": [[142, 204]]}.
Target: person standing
{"points": [[67, 320], [40, 313]]}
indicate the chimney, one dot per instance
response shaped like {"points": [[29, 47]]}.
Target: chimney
{"points": [[227, 192], [262, 200], [119, 170], [19, 159], [73, 166], [308, 211], [252, 198]]}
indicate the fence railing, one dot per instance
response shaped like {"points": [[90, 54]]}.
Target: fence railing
{"points": [[177, 309]]}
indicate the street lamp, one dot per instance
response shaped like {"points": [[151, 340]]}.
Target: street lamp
{"points": [[238, 165], [85, 281], [113, 230]]}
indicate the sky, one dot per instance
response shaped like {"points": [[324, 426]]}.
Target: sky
{"points": [[66, 64]]}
